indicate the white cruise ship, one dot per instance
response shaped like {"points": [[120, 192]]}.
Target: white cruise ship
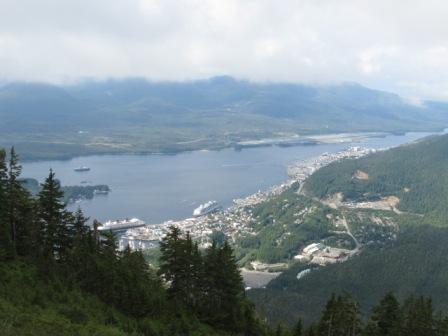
{"points": [[206, 208], [121, 225]]}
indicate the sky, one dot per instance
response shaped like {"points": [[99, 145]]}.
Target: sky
{"points": [[394, 45]]}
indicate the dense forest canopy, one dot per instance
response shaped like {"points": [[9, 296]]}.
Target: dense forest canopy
{"points": [[415, 264]]}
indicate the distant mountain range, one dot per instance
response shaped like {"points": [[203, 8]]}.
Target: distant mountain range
{"points": [[136, 115]]}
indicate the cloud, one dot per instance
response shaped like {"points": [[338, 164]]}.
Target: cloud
{"points": [[393, 45]]}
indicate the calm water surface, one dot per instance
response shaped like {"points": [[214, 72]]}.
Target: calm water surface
{"points": [[156, 188]]}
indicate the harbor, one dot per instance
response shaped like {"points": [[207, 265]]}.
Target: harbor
{"points": [[158, 188], [235, 220]]}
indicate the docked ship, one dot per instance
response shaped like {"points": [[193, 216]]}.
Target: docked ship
{"points": [[82, 169], [121, 225], [206, 208]]}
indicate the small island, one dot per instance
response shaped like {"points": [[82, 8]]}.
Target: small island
{"points": [[72, 194]]}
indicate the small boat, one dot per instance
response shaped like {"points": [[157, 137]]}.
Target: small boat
{"points": [[82, 169]]}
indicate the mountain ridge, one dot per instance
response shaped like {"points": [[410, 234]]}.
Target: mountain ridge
{"points": [[140, 116]]}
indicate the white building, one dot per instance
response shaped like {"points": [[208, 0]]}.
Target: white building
{"points": [[313, 248]]}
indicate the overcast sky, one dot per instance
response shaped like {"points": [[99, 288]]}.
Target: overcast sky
{"points": [[396, 45]]}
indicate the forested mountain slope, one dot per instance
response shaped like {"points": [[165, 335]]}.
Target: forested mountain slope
{"points": [[416, 173], [415, 262], [135, 115]]}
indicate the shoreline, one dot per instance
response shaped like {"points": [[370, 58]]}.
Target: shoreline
{"points": [[294, 140], [234, 220]]}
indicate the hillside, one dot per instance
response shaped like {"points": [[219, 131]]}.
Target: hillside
{"points": [[416, 173], [403, 248], [414, 265], [61, 276], [139, 116], [32, 305]]}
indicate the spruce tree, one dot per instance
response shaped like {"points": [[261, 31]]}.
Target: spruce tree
{"points": [[386, 318], [181, 266], [106, 265], [18, 218], [190, 270], [80, 227], [171, 262], [230, 288], [54, 219], [109, 244], [298, 329], [196, 268], [81, 249], [328, 320], [340, 317], [141, 289], [5, 231], [210, 298], [418, 317], [27, 228], [13, 197], [311, 331], [441, 325], [280, 331]]}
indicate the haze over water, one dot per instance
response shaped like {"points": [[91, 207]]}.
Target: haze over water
{"points": [[157, 188]]}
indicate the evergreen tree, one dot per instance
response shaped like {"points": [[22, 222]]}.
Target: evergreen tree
{"points": [[171, 262], [311, 331], [386, 318], [328, 320], [298, 329], [441, 325], [82, 250], [106, 263], [80, 228], [210, 293], [196, 270], [109, 245], [230, 290], [280, 331], [95, 242], [27, 228], [209, 287], [181, 266], [418, 317], [340, 317], [5, 231], [17, 218], [13, 196], [190, 261], [141, 290], [54, 219]]}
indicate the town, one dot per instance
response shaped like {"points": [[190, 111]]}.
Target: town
{"points": [[235, 220]]}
